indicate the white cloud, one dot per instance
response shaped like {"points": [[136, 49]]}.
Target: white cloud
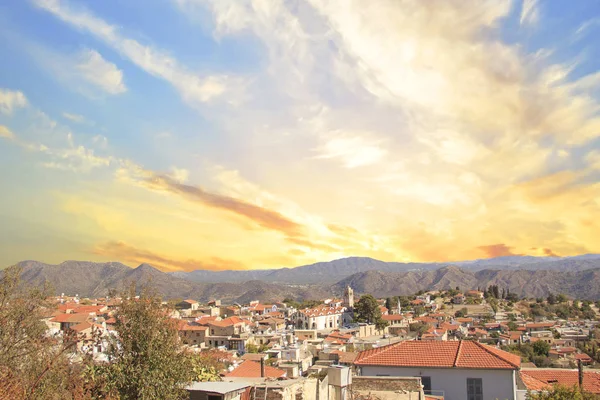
{"points": [[74, 117], [529, 12], [193, 88], [181, 175], [101, 73], [354, 150], [6, 133], [10, 100]]}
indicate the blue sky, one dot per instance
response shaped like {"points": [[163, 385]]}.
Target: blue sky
{"points": [[257, 134]]}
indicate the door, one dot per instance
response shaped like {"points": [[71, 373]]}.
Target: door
{"points": [[474, 389]]}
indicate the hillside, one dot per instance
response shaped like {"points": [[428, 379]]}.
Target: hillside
{"points": [[576, 276], [530, 283], [91, 279], [332, 271]]}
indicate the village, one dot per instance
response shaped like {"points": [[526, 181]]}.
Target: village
{"points": [[453, 344]]}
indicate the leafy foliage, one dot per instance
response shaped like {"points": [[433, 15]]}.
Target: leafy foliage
{"points": [[33, 365], [367, 310], [145, 360], [559, 392]]}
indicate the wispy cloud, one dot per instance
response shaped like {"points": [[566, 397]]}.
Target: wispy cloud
{"points": [[74, 117], [6, 133], [11, 100], [101, 73], [529, 12], [192, 87], [262, 216], [129, 253]]}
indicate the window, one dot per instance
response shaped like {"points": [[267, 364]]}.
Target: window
{"points": [[213, 397], [426, 381], [474, 389]]}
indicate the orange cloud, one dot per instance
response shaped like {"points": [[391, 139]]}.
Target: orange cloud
{"points": [[497, 250], [546, 251], [264, 217], [127, 253]]}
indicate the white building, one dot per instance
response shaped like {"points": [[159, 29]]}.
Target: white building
{"points": [[322, 317], [460, 370]]}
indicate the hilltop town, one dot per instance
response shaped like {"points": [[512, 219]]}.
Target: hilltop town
{"points": [[498, 344]]}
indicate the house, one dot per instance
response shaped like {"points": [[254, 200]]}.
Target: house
{"points": [[435, 334], [322, 317], [584, 358], [463, 370], [538, 326], [475, 294], [191, 333], [191, 305], [540, 379], [219, 390], [458, 299], [253, 369], [512, 337], [67, 321], [562, 352]]}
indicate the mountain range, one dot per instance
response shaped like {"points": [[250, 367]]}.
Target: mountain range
{"points": [[577, 276]]}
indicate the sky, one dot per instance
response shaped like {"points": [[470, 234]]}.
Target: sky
{"points": [[246, 134]]}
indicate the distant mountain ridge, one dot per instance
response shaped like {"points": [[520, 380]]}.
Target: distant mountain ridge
{"points": [[92, 279], [332, 271], [575, 276]]}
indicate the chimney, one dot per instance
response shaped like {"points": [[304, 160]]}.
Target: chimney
{"points": [[580, 374], [262, 367]]}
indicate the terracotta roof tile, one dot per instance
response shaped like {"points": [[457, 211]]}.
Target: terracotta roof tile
{"points": [[539, 379], [251, 369], [70, 318], [455, 354]]}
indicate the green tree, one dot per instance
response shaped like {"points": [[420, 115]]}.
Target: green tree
{"points": [[145, 359], [561, 298], [367, 310], [418, 327], [461, 313], [541, 348]]}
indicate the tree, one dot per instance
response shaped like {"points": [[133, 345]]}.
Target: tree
{"points": [[551, 299], [419, 327], [561, 298], [559, 392], [389, 303], [541, 348], [367, 310], [145, 359], [32, 364], [461, 313]]}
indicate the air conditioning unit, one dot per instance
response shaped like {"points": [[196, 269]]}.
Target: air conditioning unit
{"points": [[339, 376]]}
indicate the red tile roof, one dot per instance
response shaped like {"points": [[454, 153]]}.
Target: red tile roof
{"points": [[393, 317], [539, 325], [183, 325], [70, 318], [322, 310], [82, 326], [455, 354], [540, 379], [251, 369]]}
